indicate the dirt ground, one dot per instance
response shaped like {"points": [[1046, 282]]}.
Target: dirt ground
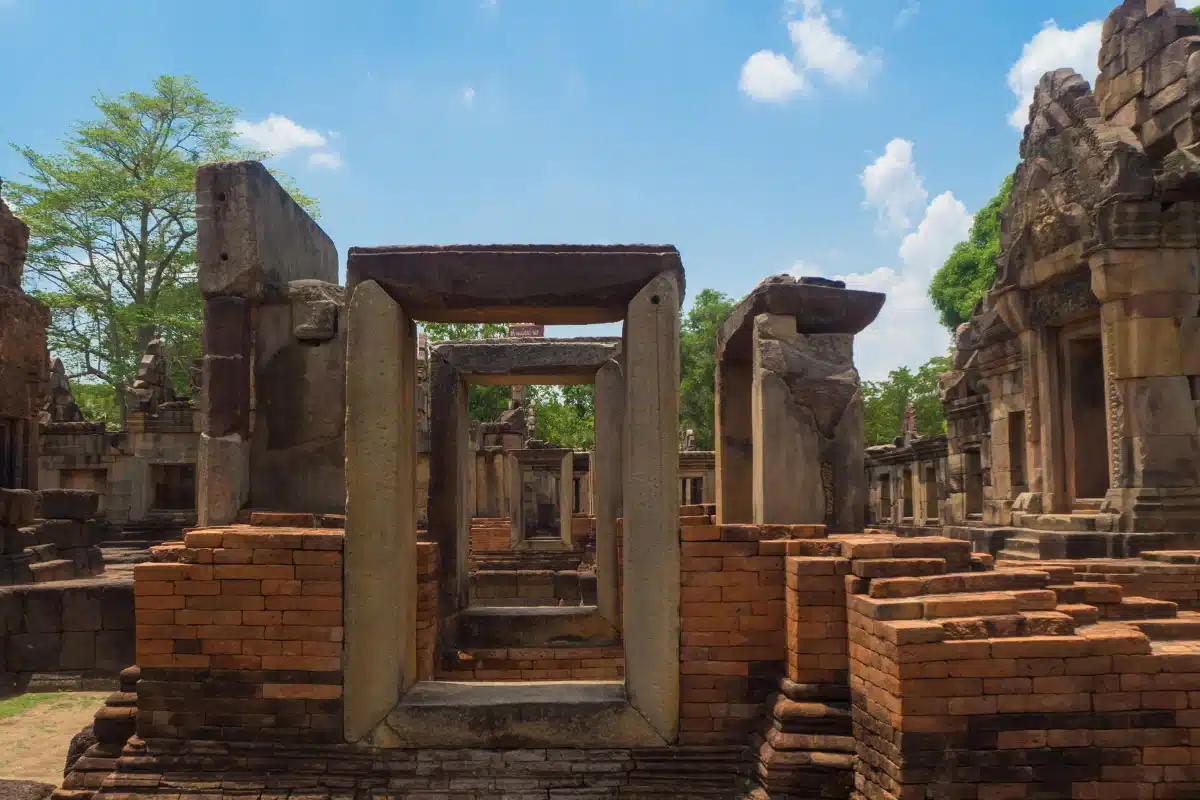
{"points": [[34, 740]]}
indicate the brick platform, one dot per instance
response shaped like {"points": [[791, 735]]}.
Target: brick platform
{"points": [[851, 666]]}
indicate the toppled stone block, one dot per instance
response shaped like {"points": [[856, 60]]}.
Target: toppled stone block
{"points": [[73, 504], [64, 534], [17, 507]]}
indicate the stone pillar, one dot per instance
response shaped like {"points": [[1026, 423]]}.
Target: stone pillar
{"points": [[606, 481], [516, 509], [566, 493], [1150, 334], [223, 460], [734, 441], [651, 508], [808, 462], [449, 463], [1046, 364], [785, 465], [381, 539]]}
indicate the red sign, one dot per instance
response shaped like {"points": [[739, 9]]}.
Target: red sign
{"points": [[526, 330]]}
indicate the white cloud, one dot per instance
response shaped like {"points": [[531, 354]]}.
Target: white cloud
{"points": [[468, 97], [325, 159], [770, 78], [819, 49], [1052, 48], [277, 134], [893, 187], [906, 14], [907, 331]]}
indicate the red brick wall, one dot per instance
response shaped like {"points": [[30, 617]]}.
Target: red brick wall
{"points": [[242, 636], [732, 643], [537, 664]]}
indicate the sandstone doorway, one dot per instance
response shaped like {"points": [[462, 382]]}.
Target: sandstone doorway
{"points": [[1084, 423]]}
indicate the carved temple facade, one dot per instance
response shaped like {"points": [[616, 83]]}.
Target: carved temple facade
{"points": [[1072, 405]]}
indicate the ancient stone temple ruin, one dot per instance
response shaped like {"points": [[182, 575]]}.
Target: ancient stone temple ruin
{"points": [[145, 473], [1072, 408], [766, 648]]}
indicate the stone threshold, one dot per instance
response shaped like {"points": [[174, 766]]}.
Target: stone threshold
{"points": [[527, 714]]}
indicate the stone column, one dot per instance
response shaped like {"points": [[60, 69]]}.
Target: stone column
{"points": [[1150, 335], [606, 481], [449, 461], [516, 509], [734, 441], [651, 509], [381, 539], [566, 493], [1049, 395], [223, 460]]}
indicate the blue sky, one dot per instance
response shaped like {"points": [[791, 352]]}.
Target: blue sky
{"points": [[847, 139]]}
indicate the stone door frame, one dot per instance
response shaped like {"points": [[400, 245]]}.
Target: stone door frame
{"points": [[392, 288]]}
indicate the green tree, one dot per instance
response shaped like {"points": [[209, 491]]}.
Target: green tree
{"points": [[565, 415], [112, 222], [969, 271], [885, 401], [1196, 13], [484, 403], [698, 363]]}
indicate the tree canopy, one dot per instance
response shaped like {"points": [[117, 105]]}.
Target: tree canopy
{"points": [[698, 363], [886, 400], [112, 224], [969, 271]]}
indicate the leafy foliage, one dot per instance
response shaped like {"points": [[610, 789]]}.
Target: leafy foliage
{"points": [[484, 403], [112, 222], [1196, 13], [566, 415], [698, 364], [886, 400], [969, 271], [97, 402]]}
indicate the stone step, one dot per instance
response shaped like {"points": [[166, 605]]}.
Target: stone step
{"points": [[897, 567], [1026, 623], [1139, 608], [1169, 629], [1090, 593], [1016, 555], [1086, 504], [822, 742], [1057, 522], [1172, 556], [1030, 545], [58, 570], [1082, 613], [43, 553]]}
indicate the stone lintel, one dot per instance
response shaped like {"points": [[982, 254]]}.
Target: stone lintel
{"points": [[523, 362], [817, 309], [583, 714], [547, 284]]}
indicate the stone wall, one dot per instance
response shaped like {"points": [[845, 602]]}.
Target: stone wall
{"points": [[908, 485], [78, 627], [24, 360]]}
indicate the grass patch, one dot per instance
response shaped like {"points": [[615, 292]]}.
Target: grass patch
{"points": [[13, 706]]}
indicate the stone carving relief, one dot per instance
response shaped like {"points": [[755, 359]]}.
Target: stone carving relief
{"points": [[1057, 303]]}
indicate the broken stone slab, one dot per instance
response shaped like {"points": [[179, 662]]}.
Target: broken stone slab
{"points": [[70, 504], [547, 284], [252, 238], [819, 306], [523, 362]]}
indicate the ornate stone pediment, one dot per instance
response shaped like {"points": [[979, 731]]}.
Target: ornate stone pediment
{"points": [[1073, 161]]}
